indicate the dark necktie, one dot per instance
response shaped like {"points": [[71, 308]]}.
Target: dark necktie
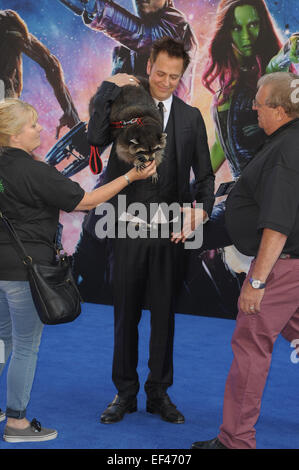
{"points": [[161, 111]]}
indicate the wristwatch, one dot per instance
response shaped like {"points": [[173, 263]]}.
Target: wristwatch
{"points": [[256, 284]]}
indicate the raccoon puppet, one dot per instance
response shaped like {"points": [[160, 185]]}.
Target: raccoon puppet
{"points": [[136, 127]]}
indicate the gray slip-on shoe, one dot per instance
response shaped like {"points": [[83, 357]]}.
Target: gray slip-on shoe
{"points": [[34, 433]]}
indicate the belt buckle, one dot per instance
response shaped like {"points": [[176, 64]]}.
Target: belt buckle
{"points": [[285, 256]]}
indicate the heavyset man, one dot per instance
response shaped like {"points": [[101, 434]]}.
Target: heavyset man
{"points": [[262, 218]]}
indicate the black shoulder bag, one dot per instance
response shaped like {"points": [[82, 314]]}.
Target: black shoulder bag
{"points": [[53, 288]]}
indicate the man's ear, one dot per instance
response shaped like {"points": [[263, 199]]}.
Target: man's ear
{"points": [[281, 113]]}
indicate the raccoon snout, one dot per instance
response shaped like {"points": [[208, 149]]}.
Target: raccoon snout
{"points": [[139, 165], [142, 158]]}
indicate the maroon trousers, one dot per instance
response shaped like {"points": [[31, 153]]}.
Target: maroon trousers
{"points": [[252, 345]]}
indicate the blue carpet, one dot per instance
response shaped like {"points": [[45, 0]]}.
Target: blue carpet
{"points": [[73, 386]]}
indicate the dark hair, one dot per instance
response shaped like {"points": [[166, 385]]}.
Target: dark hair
{"points": [[172, 47], [222, 63]]}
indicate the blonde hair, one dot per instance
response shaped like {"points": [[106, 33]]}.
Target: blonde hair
{"points": [[14, 114]]}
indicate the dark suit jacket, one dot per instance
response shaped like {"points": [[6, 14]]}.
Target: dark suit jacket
{"points": [[191, 146]]}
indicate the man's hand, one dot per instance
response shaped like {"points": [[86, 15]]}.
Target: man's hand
{"points": [[193, 217], [271, 246], [250, 299], [123, 79]]}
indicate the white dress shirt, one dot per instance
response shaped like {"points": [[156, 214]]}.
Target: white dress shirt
{"points": [[167, 107]]}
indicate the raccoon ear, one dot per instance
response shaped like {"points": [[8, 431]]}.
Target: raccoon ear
{"points": [[134, 141]]}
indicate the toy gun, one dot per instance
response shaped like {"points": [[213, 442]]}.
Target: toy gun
{"points": [[286, 56], [75, 144], [86, 8]]}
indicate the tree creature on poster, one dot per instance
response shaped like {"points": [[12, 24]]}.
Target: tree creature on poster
{"points": [[15, 39]]}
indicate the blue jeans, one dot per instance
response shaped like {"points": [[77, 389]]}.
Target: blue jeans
{"points": [[20, 334]]}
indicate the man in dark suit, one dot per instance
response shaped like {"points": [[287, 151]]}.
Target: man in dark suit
{"points": [[153, 262]]}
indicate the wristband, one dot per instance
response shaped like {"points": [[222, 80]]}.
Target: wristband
{"points": [[127, 178]]}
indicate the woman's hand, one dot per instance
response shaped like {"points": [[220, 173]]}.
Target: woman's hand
{"points": [[148, 171], [107, 191]]}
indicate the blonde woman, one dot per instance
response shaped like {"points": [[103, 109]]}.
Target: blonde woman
{"points": [[31, 195]]}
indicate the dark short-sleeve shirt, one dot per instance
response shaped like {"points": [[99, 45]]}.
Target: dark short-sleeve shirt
{"points": [[31, 195], [267, 194]]}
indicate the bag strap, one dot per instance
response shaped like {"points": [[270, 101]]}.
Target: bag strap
{"points": [[26, 259]]}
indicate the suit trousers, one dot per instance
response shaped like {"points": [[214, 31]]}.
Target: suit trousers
{"points": [[144, 264], [252, 345]]}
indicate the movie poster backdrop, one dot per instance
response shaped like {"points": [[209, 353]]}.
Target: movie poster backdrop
{"points": [[55, 60]]}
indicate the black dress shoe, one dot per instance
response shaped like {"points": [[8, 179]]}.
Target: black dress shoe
{"points": [[212, 444], [118, 408], [165, 408]]}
